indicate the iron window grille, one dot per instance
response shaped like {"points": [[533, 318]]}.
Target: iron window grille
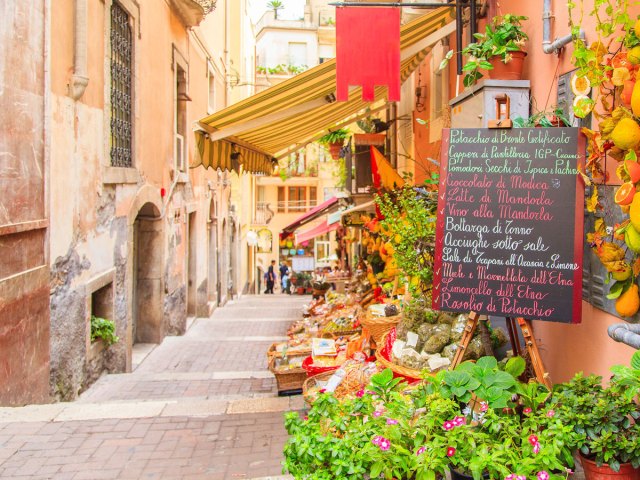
{"points": [[121, 86]]}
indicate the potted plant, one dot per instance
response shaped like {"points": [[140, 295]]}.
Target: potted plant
{"points": [[499, 50], [421, 432], [606, 420], [554, 117], [391, 432], [506, 429], [334, 140], [103, 330]]}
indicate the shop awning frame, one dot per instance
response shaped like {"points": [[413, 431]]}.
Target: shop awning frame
{"points": [[316, 231], [297, 110], [309, 216]]}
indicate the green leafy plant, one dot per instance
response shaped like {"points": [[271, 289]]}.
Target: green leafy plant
{"points": [[409, 226], [604, 417], [554, 117], [275, 5], [502, 36], [612, 22], [483, 380], [335, 136], [104, 329], [396, 434], [419, 433]]}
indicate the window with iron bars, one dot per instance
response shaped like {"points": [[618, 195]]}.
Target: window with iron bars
{"points": [[121, 86]]}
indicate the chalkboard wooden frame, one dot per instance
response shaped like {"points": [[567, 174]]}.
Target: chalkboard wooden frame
{"points": [[571, 306]]}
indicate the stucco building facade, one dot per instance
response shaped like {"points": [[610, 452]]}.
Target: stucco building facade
{"points": [[107, 219]]}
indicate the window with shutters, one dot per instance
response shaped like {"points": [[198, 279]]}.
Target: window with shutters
{"points": [[121, 37]]}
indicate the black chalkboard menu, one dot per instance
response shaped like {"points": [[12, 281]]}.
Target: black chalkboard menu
{"points": [[509, 228]]}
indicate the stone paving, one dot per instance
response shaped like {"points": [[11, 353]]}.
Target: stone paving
{"points": [[200, 406]]}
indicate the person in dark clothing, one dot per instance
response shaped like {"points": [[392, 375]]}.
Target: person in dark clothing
{"points": [[284, 277], [271, 277]]}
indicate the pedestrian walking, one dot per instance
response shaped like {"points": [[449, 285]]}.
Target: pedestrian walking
{"points": [[271, 277], [284, 277]]}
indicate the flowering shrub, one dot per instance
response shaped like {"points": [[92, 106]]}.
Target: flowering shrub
{"points": [[385, 432], [393, 431]]}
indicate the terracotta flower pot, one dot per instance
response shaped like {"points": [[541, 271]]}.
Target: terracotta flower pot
{"points": [[334, 150], [604, 472], [511, 70]]}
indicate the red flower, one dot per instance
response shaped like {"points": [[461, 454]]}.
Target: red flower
{"points": [[451, 451]]}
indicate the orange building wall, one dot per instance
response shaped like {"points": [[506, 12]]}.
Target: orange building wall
{"points": [[566, 349]]}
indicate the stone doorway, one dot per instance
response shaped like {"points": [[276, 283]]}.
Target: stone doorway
{"points": [[147, 324]]}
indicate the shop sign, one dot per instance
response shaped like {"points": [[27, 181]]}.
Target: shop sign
{"points": [[509, 236], [265, 241], [354, 219]]}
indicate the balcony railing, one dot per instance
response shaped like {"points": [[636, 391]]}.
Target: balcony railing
{"points": [[296, 206], [264, 214]]}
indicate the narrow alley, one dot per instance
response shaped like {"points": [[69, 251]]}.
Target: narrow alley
{"points": [[199, 406]]}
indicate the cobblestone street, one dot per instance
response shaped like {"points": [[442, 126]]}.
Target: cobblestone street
{"points": [[200, 406]]}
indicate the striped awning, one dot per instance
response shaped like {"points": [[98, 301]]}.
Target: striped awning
{"points": [[293, 113]]}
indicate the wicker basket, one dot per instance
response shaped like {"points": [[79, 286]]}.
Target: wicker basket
{"points": [[288, 380], [272, 351], [410, 374], [379, 326], [311, 382]]}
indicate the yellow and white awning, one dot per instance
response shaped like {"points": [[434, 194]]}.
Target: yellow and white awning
{"points": [[293, 113]]}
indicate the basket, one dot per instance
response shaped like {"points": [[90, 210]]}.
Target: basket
{"points": [[383, 354], [311, 382], [339, 333], [311, 370], [378, 326], [288, 380], [272, 351]]}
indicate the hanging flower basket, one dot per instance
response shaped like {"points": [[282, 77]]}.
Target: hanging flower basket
{"points": [[334, 150]]}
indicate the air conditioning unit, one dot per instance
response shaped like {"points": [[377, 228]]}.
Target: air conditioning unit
{"points": [[180, 154]]}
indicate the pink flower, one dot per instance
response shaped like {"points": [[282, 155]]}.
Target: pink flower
{"points": [[527, 410], [322, 390], [376, 440], [384, 444], [458, 421], [360, 393], [421, 450], [306, 418], [536, 448], [543, 475], [448, 425], [533, 439], [484, 406], [378, 413], [391, 421], [511, 476], [451, 451], [550, 414], [521, 477]]}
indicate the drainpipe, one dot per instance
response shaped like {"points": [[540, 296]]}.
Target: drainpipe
{"points": [[547, 45], [79, 80], [629, 334]]}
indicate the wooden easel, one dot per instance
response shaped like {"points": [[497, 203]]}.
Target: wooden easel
{"points": [[530, 343]]}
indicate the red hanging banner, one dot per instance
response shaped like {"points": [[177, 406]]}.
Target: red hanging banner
{"points": [[368, 51]]}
